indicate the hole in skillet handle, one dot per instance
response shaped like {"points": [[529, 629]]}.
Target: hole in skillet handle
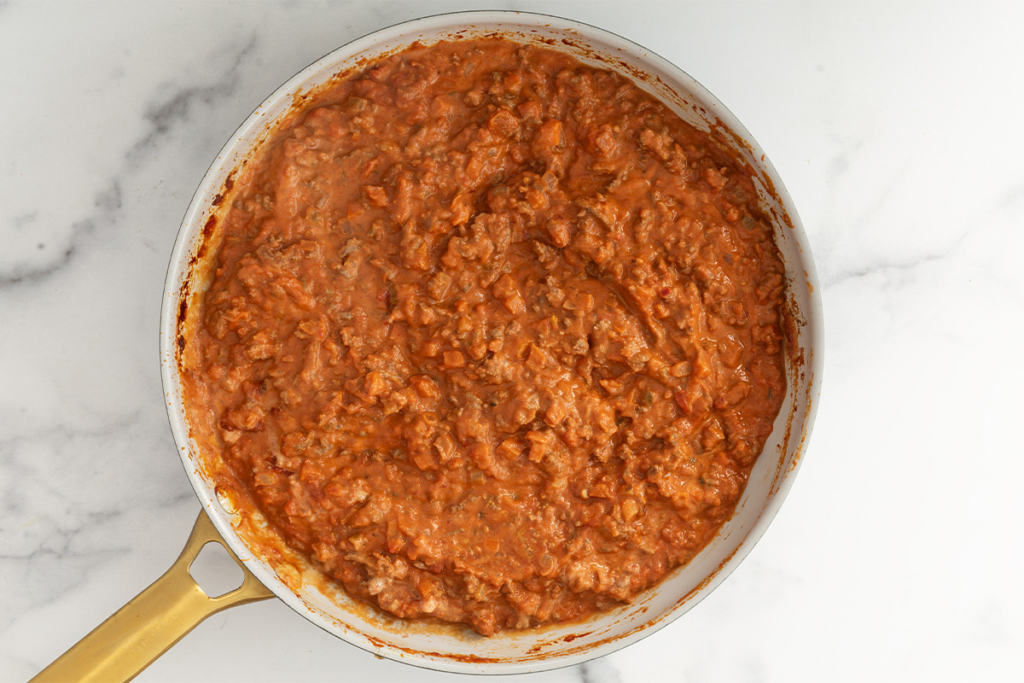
{"points": [[216, 571]]}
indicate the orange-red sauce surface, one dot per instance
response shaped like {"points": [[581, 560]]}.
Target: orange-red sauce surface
{"points": [[493, 337]]}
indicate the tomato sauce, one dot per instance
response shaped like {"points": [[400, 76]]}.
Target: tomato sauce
{"points": [[492, 337]]}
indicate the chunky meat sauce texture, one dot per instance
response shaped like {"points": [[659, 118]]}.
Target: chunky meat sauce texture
{"points": [[492, 336]]}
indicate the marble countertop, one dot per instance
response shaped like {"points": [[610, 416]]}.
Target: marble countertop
{"points": [[897, 128]]}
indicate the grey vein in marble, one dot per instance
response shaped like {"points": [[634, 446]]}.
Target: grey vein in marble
{"points": [[174, 110], [837, 278], [163, 116], [598, 671], [22, 273]]}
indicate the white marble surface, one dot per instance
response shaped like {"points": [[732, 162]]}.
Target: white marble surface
{"points": [[897, 128]]}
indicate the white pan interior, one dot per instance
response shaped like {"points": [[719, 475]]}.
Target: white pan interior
{"points": [[455, 649]]}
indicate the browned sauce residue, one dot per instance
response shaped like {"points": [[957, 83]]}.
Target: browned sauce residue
{"points": [[492, 337]]}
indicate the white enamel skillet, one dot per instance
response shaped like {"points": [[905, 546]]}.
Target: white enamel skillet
{"points": [[172, 606]]}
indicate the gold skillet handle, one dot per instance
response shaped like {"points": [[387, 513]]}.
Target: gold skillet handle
{"points": [[153, 621]]}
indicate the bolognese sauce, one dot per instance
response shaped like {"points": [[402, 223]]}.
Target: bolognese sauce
{"points": [[492, 336]]}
